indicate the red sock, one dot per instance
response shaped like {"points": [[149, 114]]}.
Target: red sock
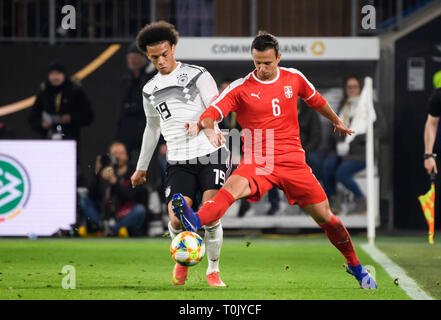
{"points": [[216, 207], [339, 237]]}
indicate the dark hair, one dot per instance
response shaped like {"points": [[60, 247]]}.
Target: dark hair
{"points": [[264, 41], [155, 33], [344, 99], [117, 142], [132, 48], [57, 66]]}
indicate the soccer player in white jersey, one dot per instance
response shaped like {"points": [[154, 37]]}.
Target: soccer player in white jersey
{"points": [[179, 94]]}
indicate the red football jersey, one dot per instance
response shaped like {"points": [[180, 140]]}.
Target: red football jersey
{"points": [[264, 105]]}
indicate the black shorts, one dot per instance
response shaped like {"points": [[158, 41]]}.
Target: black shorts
{"points": [[198, 175]]}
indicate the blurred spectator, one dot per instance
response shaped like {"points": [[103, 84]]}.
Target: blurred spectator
{"points": [[111, 196], [61, 107], [229, 122], [131, 118], [311, 136], [274, 200], [345, 160], [224, 84], [6, 132]]}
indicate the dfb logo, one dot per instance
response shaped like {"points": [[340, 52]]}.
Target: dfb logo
{"points": [[15, 187]]}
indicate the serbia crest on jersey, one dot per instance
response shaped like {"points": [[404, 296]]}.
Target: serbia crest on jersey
{"points": [[288, 92]]}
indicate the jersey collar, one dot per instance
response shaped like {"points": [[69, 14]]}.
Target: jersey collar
{"points": [[267, 82], [178, 66]]}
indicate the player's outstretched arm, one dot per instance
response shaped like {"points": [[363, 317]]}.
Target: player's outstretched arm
{"points": [[339, 126], [206, 123], [429, 140], [193, 128], [216, 139], [150, 139]]}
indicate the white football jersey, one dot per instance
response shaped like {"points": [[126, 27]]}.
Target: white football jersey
{"points": [[178, 98]]}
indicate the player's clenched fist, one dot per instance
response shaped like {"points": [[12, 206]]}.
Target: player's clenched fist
{"points": [[138, 178], [216, 139], [193, 128], [430, 165]]}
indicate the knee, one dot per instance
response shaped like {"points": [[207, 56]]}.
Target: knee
{"points": [[320, 212], [328, 167], [82, 204], [213, 223], [83, 201], [174, 221], [313, 158], [327, 216], [238, 187], [325, 213], [342, 173], [324, 219], [139, 211]]}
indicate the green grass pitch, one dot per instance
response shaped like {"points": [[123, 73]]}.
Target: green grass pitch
{"points": [[421, 260], [276, 269]]}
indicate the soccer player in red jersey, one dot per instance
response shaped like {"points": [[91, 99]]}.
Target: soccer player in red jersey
{"points": [[265, 102]]}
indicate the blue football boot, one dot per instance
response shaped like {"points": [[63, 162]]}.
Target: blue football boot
{"points": [[365, 280], [190, 221]]}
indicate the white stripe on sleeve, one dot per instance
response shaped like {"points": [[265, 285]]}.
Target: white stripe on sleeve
{"points": [[295, 71]]}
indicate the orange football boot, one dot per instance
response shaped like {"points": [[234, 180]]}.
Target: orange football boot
{"points": [[179, 274], [214, 280]]}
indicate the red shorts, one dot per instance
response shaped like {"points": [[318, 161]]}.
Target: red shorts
{"points": [[295, 179]]}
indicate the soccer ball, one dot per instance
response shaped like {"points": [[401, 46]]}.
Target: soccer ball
{"points": [[187, 248]]}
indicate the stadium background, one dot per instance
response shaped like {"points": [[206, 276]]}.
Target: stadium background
{"points": [[31, 38], [30, 32]]}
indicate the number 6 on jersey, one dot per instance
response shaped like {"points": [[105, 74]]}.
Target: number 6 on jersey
{"points": [[276, 107]]}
